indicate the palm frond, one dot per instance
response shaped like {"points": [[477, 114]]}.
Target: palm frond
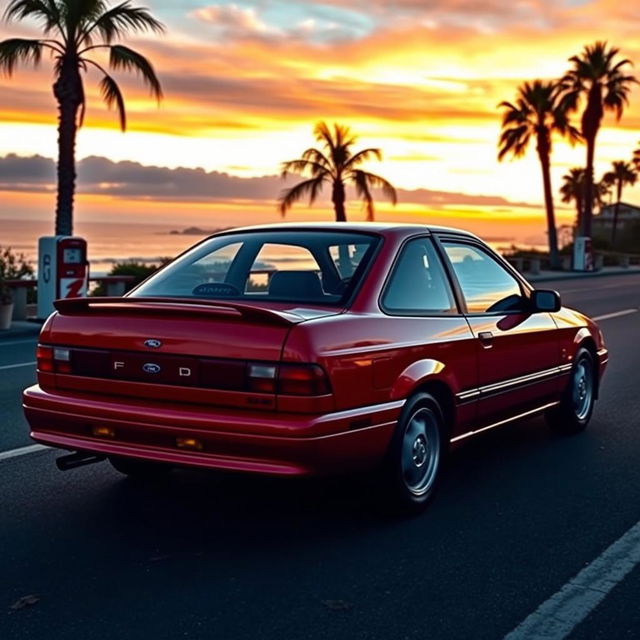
{"points": [[316, 156], [19, 50], [120, 20], [302, 166], [43, 11], [514, 140], [310, 188], [377, 182], [362, 189], [112, 95], [363, 156], [122, 57]]}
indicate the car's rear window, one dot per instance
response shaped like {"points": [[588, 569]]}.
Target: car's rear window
{"points": [[318, 267]]}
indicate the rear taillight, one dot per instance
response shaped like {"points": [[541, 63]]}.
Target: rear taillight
{"points": [[262, 377], [44, 356], [53, 359], [302, 380], [62, 360], [287, 379], [225, 375]]}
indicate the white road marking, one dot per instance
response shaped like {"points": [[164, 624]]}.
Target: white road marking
{"points": [[23, 451], [16, 366], [615, 314], [562, 612]]}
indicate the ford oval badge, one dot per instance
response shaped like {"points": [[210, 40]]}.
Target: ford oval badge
{"points": [[150, 367], [152, 343]]}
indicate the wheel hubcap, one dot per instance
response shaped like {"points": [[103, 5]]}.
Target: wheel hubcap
{"points": [[582, 390], [420, 451]]}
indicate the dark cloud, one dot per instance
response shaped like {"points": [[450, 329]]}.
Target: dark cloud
{"points": [[131, 180], [308, 97]]}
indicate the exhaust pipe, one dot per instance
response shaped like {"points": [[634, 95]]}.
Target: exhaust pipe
{"points": [[78, 459]]}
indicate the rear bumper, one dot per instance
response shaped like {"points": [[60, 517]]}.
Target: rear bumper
{"points": [[267, 443]]}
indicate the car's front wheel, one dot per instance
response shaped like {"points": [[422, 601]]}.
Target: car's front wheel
{"points": [[573, 413], [139, 469], [416, 454]]}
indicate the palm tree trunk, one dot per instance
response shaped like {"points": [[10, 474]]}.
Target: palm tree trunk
{"points": [[68, 92], [543, 154], [616, 210], [587, 213], [338, 198]]}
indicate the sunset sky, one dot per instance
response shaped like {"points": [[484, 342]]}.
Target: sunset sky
{"points": [[245, 82]]}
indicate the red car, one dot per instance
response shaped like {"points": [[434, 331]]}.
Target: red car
{"points": [[312, 349]]}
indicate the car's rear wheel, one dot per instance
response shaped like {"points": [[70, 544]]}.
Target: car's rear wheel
{"points": [[139, 469], [416, 454], [574, 411]]}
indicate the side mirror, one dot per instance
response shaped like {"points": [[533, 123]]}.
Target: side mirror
{"points": [[545, 300]]}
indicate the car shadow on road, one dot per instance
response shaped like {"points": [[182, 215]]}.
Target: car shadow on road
{"points": [[200, 506]]}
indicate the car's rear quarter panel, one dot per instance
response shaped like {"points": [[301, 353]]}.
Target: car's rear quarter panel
{"points": [[373, 358]]}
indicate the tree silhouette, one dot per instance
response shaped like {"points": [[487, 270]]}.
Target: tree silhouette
{"points": [[72, 29], [622, 174], [573, 188], [335, 164], [536, 115], [597, 78]]}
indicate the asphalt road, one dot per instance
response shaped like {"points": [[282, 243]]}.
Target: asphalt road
{"points": [[519, 513]]}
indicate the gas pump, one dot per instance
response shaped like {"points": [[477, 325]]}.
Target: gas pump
{"points": [[63, 270], [582, 254]]}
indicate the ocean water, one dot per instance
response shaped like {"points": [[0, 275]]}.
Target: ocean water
{"points": [[107, 242]]}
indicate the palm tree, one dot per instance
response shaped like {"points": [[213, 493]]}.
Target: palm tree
{"points": [[572, 190], [72, 29], [623, 174], [537, 114], [598, 77], [636, 159], [336, 164]]}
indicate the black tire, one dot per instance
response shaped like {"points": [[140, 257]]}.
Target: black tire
{"points": [[139, 469], [416, 454], [573, 413]]}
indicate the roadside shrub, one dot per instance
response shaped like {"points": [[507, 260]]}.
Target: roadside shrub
{"points": [[139, 270], [13, 266]]}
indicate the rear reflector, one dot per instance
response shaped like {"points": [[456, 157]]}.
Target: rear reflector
{"points": [[103, 432], [189, 443]]}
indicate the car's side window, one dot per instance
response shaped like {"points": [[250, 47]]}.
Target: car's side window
{"points": [[418, 283], [486, 285]]}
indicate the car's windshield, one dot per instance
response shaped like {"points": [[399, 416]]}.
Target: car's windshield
{"points": [[319, 267]]}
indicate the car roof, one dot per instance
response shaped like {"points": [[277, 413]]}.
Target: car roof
{"points": [[383, 228]]}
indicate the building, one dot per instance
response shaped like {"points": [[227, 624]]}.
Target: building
{"points": [[627, 228]]}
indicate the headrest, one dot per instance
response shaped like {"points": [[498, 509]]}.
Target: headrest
{"points": [[295, 284]]}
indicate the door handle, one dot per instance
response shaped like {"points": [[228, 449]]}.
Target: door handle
{"points": [[486, 339]]}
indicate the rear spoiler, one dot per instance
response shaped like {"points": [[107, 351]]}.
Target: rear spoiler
{"points": [[176, 306]]}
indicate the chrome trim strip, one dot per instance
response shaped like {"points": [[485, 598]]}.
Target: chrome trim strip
{"points": [[505, 385], [505, 421], [520, 380], [361, 411], [339, 434], [466, 396]]}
